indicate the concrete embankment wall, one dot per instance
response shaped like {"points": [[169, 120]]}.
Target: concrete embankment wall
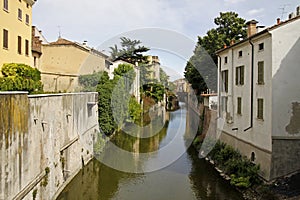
{"points": [[44, 141]]}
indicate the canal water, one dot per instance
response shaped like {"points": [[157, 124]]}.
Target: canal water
{"points": [[187, 177]]}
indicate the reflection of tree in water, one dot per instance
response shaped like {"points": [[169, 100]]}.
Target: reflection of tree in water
{"points": [[206, 180], [139, 144]]}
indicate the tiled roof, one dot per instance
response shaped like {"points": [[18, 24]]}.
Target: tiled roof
{"points": [[62, 41]]}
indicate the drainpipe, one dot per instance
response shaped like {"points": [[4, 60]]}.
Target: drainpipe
{"points": [[252, 80], [219, 86]]}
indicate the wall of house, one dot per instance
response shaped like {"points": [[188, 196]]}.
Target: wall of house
{"points": [[257, 138], [286, 73], [62, 64], [39, 132], [15, 28]]}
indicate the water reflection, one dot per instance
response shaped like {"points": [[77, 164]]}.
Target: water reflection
{"points": [[186, 178]]}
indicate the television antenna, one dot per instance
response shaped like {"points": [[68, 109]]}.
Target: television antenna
{"points": [[283, 9], [59, 31]]}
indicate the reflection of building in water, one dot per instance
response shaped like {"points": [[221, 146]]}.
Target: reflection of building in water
{"points": [[259, 98]]}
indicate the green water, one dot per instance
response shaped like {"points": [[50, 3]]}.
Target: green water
{"points": [[186, 178]]}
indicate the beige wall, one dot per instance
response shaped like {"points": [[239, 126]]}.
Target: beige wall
{"points": [[62, 64], [15, 28]]}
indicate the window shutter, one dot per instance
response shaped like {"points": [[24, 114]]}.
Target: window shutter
{"points": [[242, 75]]}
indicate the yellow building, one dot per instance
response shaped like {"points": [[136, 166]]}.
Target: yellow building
{"points": [[63, 61], [15, 31], [155, 67]]}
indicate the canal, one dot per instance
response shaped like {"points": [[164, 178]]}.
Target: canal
{"points": [[187, 177]]}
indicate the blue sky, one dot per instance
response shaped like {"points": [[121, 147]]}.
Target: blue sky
{"points": [[98, 21]]}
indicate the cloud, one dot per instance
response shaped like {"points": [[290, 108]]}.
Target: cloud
{"points": [[233, 1], [255, 11]]}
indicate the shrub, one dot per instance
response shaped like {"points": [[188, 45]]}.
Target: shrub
{"points": [[20, 77]]}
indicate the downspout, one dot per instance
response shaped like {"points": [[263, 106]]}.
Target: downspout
{"points": [[219, 85], [252, 85]]}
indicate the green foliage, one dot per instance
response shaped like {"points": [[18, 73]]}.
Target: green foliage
{"points": [[20, 77], [130, 51], [243, 173], [164, 78], [155, 91], [241, 182], [34, 194], [89, 82], [134, 110], [201, 70], [106, 120]]}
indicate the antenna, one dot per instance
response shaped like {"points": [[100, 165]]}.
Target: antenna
{"points": [[59, 31], [283, 9]]}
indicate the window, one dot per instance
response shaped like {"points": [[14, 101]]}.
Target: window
{"points": [[27, 19], [260, 108], [26, 47], [224, 104], [5, 39], [20, 14], [27, 5], [5, 5], [239, 75], [260, 76], [19, 44], [240, 53], [225, 81], [239, 105], [225, 60], [261, 46], [34, 61]]}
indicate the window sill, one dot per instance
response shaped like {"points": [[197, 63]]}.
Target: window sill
{"points": [[20, 19], [263, 83], [260, 120], [6, 10], [262, 50]]}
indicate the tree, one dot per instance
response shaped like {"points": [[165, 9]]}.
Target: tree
{"points": [[20, 77], [201, 70], [130, 52], [163, 76], [89, 82]]}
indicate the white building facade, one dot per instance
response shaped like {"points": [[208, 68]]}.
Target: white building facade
{"points": [[259, 98]]}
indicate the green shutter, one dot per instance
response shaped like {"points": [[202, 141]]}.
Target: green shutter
{"points": [[237, 75], [260, 73], [260, 108], [239, 105], [242, 75]]}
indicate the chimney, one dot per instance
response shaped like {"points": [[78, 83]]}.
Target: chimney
{"points": [[278, 21], [251, 30]]}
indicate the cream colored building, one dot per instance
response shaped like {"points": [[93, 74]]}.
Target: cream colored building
{"points": [[155, 68], [63, 61], [260, 99], [15, 33]]}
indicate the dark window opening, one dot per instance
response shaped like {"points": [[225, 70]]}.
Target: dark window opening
{"points": [[19, 45], [261, 46], [240, 53], [239, 75], [5, 39]]}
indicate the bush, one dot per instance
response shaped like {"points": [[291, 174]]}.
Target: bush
{"points": [[243, 173], [20, 77]]}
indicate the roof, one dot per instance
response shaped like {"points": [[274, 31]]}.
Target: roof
{"points": [[63, 41], [267, 30]]}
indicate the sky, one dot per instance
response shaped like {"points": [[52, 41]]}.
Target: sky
{"points": [[102, 22]]}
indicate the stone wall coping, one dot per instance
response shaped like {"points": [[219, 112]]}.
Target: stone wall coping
{"points": [[59, 94], [12, 92]]}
